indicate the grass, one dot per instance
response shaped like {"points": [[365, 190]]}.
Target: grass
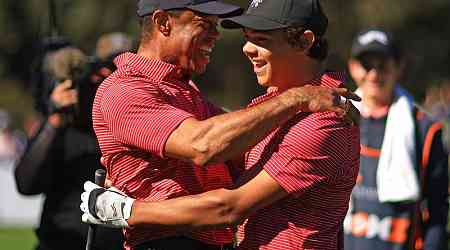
{"points": [[24, 238], [17, 238]]}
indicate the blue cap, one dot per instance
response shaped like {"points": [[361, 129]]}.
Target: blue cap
{"points": [[373, 41], [209, 7]]}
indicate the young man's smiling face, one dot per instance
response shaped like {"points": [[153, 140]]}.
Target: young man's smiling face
{"points": [[275, 62]]}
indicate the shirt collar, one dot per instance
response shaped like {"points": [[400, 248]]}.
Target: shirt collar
{"points": [[377, 113], [328, 79], [147, 68]]}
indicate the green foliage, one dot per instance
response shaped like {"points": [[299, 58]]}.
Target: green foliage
{"points": [[16, 101], [422, 26]]}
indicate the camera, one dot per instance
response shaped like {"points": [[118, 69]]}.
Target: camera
{"points": [[86, 74]]}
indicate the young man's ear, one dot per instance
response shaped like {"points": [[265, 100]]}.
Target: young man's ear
{"points": [[161, 22]]}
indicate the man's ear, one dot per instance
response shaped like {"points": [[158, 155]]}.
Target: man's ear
{"points": [[307, 40], [160, 19]]}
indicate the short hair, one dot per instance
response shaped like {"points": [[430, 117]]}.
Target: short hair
{"points": [[295, 37], [147, 26]]}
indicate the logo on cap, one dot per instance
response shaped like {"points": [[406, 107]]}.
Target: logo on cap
{"points": [[255, 3], [372, 36]]}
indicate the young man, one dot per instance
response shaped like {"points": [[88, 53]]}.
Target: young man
{"points": [[400, 200], [295, 188]]}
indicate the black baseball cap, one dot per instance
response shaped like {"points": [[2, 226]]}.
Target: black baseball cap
{"points": [[375, 41], [276, 14], [221, 9]]}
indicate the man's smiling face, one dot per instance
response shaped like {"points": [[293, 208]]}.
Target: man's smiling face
{"points": [[193, 36]]}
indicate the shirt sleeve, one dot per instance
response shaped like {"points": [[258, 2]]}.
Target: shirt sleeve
{"points": [[141, 117], [34, 173], [436, 194], [308, 156]]}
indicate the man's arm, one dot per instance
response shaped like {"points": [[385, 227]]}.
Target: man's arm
{"points": [[255, 189], [222, 137], [33, 173], [217, 208]]}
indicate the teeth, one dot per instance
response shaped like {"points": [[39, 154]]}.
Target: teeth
{"points": [[209, 50], [259, 64]]}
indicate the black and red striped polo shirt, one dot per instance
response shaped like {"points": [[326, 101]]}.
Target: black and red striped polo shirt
{"points": [[135, 111]]}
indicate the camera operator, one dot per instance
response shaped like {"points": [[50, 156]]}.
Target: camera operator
{"points": [[64, 153]]}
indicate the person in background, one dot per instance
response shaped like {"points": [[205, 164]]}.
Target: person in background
{"points": [[17, 210], [437, 100], [400, 198], [63, 153], [295, 189], [9, 143], [109, 45]]}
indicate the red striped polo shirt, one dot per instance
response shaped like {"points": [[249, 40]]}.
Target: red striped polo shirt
{"points": [[135, 110], [315, 158]]}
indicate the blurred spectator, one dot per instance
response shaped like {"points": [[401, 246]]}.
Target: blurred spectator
{"points": [[111, 44], [17, 210], [437, 104], [400, 199], [64, 152], [8, 150], [437, 100]]}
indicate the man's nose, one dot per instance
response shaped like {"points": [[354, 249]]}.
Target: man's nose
{"points": [[249, 49]]}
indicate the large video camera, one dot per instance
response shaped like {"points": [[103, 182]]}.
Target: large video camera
{"points": [[86, 73], [56, 61]]}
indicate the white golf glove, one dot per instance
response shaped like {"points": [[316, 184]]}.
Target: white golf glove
{"points": [[107, 207]]}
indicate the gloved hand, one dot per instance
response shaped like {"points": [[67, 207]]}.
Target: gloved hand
{"points": [[107, 207]]}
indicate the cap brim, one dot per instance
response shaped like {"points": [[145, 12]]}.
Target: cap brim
{"points": [[251, 22], [372, 48], [218, 8]]}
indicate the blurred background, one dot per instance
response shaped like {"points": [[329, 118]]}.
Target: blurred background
{"points": [[423, 28]]}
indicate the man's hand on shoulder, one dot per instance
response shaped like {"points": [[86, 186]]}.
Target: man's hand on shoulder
{"points": [[107, 207], [320, 98]]}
